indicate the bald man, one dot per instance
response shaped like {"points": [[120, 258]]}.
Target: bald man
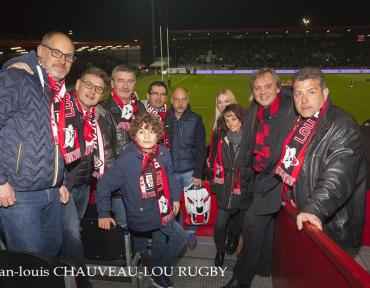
{"points": [[186, 135]]}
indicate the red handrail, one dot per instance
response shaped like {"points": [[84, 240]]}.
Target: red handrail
{"points": [[328, 256]]}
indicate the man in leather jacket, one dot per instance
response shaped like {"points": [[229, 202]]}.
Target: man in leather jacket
{"points": [[115, 117], [322, 164]]}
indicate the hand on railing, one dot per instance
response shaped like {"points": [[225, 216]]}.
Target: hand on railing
{"points": [[308, 217]]}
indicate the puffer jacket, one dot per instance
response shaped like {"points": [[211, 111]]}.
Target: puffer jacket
{"points": [[331, 184], [142, 215], [114, 137], [30, 160]]}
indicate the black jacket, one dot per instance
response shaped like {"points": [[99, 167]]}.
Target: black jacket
{"points": [[264, 189], [187, 138], [80, 171], [114, 137], [331, 184], [225, 198], [365, 130]]}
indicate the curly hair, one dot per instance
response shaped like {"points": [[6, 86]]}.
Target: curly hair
{"points": [[146, 121]]}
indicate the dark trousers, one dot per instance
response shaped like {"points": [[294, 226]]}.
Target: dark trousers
{"points": [[224, 220], [256, 255]]}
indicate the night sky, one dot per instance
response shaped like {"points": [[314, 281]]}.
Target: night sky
{"points": [[127, 19]]}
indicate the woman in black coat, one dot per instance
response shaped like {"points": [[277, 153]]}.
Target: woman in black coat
{"points": [[226, 177]]}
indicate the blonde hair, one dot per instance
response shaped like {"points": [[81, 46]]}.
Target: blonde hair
{"points": [[232, 98]]}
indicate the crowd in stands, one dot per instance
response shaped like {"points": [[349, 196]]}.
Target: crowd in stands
{"points": [[277, 53]]}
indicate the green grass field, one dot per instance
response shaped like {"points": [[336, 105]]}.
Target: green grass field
{"points": [[203, 90]]}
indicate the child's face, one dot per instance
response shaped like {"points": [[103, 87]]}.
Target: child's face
{"points": [[146, 138], [232, 122]]}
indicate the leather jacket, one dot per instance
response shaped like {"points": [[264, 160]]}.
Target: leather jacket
{"points": [[115, 138], [331, 184]]}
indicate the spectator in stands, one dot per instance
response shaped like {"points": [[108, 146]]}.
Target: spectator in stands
{"points": [[88, 91], [115, 117], [326, 141], [227, 178], [187, 138], [32, 150], [224, 98], [145, 175], [267, 123]]}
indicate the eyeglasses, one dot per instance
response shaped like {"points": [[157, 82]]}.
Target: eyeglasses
{"points": [[89, 85], [124, 82], [153, 93], [59, 54]]}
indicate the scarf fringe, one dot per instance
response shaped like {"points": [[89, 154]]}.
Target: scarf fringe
{"points": [[219, 180], [72, 156], [287, 179], [237, 191]]}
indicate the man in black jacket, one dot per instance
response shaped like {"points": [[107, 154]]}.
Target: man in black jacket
{"points": [[88, 91], [186, 138], [115, 117], [266, 125], [322, 163]]}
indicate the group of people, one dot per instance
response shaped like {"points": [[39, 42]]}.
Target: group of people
{"points": [[290, 145], [295, 148], [54, 142]]}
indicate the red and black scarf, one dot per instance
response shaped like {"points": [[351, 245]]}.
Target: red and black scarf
{"points": [[154, 184], [161, 114], [209, 158], [295, 146], [64, 131], [63, 125], [128, 110], [261, 146], [93, 138], [219, 170]]}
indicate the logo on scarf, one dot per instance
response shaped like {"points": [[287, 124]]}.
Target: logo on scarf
{"points": [[69, 136], [289, 157], [163, 205], [127, 112]]}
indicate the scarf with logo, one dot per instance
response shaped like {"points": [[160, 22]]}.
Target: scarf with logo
{"points": [[93, 138], [128, 110], [161, 114], [154, 184], [64, 131], [219, 170], [261, 146], [63, 121], [295, 146]]}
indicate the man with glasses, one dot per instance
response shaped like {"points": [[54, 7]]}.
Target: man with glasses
{"points": [[81, 115], [33, 145], [156, 103], [115, 117]]}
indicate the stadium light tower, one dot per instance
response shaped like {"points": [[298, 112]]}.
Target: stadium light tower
{"points": [[306, 21]]}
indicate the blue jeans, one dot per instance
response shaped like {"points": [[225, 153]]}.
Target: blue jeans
{"points": [[73, 211], [185, 181], [167, 243], [34, 222], [119, 211]]}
